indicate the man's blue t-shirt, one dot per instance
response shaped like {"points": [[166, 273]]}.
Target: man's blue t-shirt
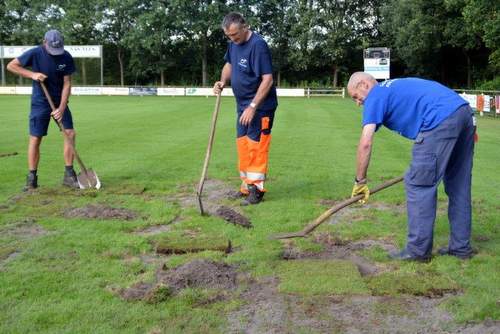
{"points": [[249, 61], [54, 67], [410, 105]]}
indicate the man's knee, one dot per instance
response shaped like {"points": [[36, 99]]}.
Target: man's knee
{"points": [[70, 133], [35, 140]]}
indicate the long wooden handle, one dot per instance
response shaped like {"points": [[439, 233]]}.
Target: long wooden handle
{"points": [[347, 202], [61, 127], [209, 147]]}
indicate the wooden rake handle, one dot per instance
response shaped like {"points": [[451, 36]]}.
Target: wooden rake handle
{"points": [[321, 219], [209, 151], [61, 127]]}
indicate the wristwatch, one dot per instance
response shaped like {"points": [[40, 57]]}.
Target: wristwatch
{"points": [[253, 105]]}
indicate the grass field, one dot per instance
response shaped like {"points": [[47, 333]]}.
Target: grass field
{"points": [[61, 273]]}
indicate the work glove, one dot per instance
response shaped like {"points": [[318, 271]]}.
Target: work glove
{"points": [[361, 188]]}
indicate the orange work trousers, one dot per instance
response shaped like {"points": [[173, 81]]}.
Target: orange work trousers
{"points": [[253, 143]]}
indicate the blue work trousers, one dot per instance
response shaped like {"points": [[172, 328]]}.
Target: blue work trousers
{"points": [[443, 153]]}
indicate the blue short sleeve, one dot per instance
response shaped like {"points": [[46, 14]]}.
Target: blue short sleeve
{"points": [[262, 63], [374, 109], [70, 68], [227, 56], [26, 59]]}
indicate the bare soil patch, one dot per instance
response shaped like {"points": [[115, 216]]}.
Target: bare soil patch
{"points": [[25, 229], [157, 229], [268, 311], [215, 195], [204, 274], [98, 211]]}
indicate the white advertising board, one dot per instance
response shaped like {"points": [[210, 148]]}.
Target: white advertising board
{"points": [[487, 103], [194, 91], [171, 91], [75, 90], [22, 90], [114, 91], [378, 67], [7, 90], [472, 99], [77, 51], [226, 92]]}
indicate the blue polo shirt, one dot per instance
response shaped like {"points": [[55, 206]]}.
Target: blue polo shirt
{"points": [[54, 67], [249, 61], [410, 105]]}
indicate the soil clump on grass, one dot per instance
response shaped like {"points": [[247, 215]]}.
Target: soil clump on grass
{"points": [[232, 216], [4, 155], [215, 196], [98, 211], [202, 274]]}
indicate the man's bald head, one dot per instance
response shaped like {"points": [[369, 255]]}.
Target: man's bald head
{"points": [[359, 86]]}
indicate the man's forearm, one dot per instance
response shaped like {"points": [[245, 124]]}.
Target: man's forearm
{"points": [[19, 70], [225, 75], [363, 160], [263, 90], [66, 92]]}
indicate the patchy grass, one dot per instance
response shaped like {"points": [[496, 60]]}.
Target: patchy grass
{"points": [[146, 150], [317, 277], [417, 283]]}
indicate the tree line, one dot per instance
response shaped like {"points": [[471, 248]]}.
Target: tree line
{"points": [[178, 42]]}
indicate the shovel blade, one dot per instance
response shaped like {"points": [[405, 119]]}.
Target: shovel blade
{"points": [[88, 180]]}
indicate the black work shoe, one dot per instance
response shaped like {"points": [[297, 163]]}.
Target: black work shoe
{"points": [[255, 196], [446, 251], [70, 180], [405, 255], [236, 195], [31, 182]]}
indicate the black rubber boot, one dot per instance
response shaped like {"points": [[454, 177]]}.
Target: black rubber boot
{"points": [[31, 182], [255, 196]]}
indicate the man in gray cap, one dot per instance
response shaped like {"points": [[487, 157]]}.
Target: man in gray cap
{"points": [[53, 65]]}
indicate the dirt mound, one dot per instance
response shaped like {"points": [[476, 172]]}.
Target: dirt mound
{"points": [[232, 216], [98, 211], [215, 193], [204, 274]]}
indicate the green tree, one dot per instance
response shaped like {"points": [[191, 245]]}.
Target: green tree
{"points": [[80, 25], [118, 21]]}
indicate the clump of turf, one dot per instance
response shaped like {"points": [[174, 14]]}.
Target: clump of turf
{"points": [[320, 277], [428, 284], [182, 244]]}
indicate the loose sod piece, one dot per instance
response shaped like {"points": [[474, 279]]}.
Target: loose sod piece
{"points": [[181, 245]]}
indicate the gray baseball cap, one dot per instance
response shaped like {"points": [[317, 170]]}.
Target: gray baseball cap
{"points": [[54, 42]]}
